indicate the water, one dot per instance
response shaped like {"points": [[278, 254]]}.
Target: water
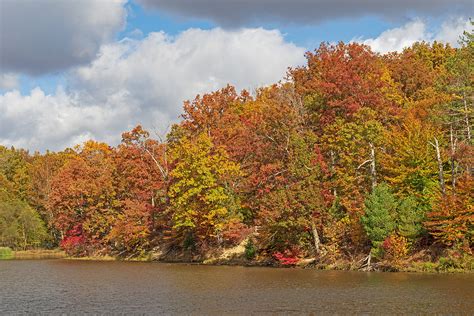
{"points": [[65, 286]]}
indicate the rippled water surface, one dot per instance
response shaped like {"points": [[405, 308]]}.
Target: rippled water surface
{"points": [[64, 286]]}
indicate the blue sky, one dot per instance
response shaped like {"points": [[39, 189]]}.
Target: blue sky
{"points": [[70, 71]]}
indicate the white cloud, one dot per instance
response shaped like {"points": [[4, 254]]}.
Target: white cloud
{"points": [[143, 81], [451, 30], [397, 39], [38, 121], [8, 81], [41, 36]]}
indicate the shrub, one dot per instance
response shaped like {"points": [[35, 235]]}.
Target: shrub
{"points": [[74, 243], [395, 247], [250, 250], [234, 232], [456, 261], [6, 253], [447, 264], [189, 242], [289, 257]]}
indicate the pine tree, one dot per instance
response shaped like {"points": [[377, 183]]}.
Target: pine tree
{"points": [[380, 208], [409, 219]]}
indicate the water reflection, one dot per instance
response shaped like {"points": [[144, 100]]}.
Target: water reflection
{"points": [[63, 286]]}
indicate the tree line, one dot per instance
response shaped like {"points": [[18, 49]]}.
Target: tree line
{"points": [[353, 153]]}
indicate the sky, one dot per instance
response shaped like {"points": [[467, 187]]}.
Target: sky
{"points": [[71, 71]]}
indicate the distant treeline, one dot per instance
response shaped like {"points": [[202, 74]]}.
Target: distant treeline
{"points": [[355, 153]]}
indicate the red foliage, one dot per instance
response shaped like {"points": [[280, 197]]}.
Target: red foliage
{"points": [[287, 258], [346, 77], [74, 241], [235, 232]]}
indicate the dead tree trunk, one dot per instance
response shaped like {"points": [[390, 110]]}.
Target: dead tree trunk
{"points": [[466, 118], [153, 214], [453, 142], [366, 263], [373, 170], [332, 172], [440, 165], [317, 241]]}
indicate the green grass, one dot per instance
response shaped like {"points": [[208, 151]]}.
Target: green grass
{"points": [[6, 253]]}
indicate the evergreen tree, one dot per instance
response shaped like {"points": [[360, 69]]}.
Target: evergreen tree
{"points": [[380, 208], [409, 219]]}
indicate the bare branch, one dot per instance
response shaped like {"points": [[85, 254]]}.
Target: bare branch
{"points": [[364, 163]]}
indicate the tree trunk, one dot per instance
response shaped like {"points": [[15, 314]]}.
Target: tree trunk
{"points": [[373, 171], [466, 118], [25, 238], [453, 160], [152, 214], [317, 241], [440, 166], [334, 191]]}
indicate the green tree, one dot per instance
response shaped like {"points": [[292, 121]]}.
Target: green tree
{"points": [[410, 218], [20, 225], [380, 208]]}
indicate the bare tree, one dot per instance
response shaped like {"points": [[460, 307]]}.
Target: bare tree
{"points": [[440, 165]]}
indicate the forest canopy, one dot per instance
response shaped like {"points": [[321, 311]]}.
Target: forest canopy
{"points": [[355, 153]]}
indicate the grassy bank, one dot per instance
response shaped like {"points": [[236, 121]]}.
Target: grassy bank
{"points": [[39, 254], [7, 253]]}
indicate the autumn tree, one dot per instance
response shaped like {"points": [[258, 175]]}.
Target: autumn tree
{"points": [[202, 199], [452, 220], [141, 177], [210, 111], [296, 210], [83, 198], [41, 171], [341, 79], [409, 161], [14, 165], [352, 147]]}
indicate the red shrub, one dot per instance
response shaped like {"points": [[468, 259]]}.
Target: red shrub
{"points": [[287, 258], [74, 242]]}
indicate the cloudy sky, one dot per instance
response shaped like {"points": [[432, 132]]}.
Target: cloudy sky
{"points": [[91, 69]]}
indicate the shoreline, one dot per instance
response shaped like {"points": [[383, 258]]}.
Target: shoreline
{"points": [[438, 267]]}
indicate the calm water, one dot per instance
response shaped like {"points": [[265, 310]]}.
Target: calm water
{"points": [[62, 286]]}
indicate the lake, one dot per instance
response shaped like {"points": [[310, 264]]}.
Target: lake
{"points": [[68, 286]]}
